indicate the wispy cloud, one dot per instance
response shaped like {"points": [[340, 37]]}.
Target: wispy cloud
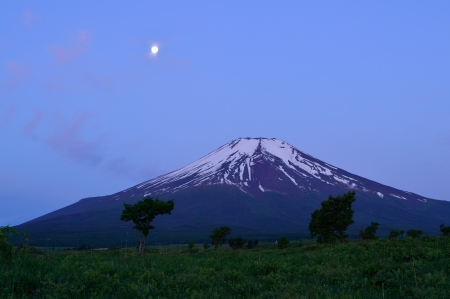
{"points": [[18, 73], [28, 19], [122, 167], [82, 36], [32, 124], [69, 141], [6, 116], [65, 55]]}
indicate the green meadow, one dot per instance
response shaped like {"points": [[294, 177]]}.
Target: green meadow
{"points": [[402, 268]]}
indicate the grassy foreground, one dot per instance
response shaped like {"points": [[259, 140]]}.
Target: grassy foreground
{"points": [[406, 268]]}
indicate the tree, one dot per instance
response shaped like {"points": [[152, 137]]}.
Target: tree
{"points": [[414, 233], [218, 236], [369, 232], [236, 243], [332, 220], [445, 230], [142, 214], [282, 242], [6, 248], [394, 234], [251, 244]]}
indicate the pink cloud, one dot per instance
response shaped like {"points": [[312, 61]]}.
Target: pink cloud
{"points": [[7, 115], [64, 55], [32, 124], [82, 36], [28, 18], [70, 143], [18, 74]]}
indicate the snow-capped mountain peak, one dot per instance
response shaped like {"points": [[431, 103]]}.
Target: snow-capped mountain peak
{"points": [[258, 165]]}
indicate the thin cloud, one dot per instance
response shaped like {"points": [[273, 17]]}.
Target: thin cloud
{"points": [[29, 18], [69, 142], [118, 166], [6, 116], [18, 73], [82, 36], [32, 124], [65, 55], [122, 167]]}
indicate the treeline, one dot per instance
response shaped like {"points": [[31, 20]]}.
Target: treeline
{"points": [[328, 225]]}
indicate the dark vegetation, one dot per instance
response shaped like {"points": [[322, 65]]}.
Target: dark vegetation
{"points": [[198, 210], [333, 267], [331, 221], [143, 213], [406, 268]]}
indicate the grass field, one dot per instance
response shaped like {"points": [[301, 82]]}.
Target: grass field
{"points": [[404, 268]]}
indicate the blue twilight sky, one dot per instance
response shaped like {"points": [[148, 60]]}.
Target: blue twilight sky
{"points": [[85, 110]]}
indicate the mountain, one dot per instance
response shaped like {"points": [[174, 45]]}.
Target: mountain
{"points": [[258, 186]]}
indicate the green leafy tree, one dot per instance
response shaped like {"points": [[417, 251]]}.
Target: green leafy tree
{"points": [[236, 243], [143, 213], [445, 230], [282, 242], [331, 221], [394, 234], [191, 245], [369, 232], [414, 233], [252, 243], [218, 236], [6, 248]]}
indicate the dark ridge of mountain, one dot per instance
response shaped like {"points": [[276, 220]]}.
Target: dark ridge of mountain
{"points": [[257, 186]]}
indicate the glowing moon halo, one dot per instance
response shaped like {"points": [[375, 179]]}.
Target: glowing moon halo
{"points": [[154, 49]]}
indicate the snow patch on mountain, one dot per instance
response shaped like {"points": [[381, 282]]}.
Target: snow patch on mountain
{"points": [[250, 163]]}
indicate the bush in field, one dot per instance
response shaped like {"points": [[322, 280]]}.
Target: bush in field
{"points": [[445, 230], [414, 233], [218, 236], [282, 242], [394, 234], [332, 220], [142, 214], [236, 243], [206, 246], [251, 244], [6, 248], [191, 245], [82, 247], [369, 232]]}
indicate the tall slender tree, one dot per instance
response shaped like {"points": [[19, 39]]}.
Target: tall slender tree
{"points": [[142, 214]]}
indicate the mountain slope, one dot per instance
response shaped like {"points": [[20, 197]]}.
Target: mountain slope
{"points": [[255, 185]]}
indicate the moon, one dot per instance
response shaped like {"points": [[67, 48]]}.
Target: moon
{"points": [[154, 49]]}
